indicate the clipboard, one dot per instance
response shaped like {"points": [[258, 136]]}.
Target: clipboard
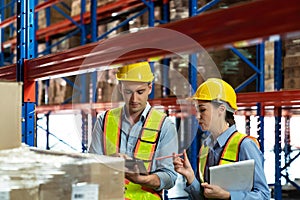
{"points": [[233, 176], [130, 163]]}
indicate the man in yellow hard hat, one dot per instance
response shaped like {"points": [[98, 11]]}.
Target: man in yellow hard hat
{"points": [[136, 130]]}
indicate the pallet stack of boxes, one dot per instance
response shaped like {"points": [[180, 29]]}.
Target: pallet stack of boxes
{"points": [[31, 174]]}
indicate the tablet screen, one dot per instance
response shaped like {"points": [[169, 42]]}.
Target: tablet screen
{"points": [[129, 164]]}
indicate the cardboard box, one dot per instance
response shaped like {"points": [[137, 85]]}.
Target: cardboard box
{"points": [[291, 83], [11, 115], [55, 16], [103, 172], [269, 85], [269, 61], [292, 44], [292, 61], [24, 194], [108, 179], [76, 5], [34, 174], [292, 72]]}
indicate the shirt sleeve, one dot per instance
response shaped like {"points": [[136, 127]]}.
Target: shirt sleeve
{"points": [[168, 144], [249, 150], [194, 190], [97, 136]]}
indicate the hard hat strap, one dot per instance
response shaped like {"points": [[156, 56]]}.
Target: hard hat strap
{"points": [[227, 106]]}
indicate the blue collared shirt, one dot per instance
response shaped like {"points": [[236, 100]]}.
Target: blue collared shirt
{"points": [[167, 144], [248, 150]]}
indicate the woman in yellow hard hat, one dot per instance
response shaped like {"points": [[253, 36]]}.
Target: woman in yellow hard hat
{"points": [[216, 103]]}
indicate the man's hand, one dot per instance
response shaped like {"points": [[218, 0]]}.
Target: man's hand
{"points": [[121, 155], [214, 191], [134, 175], [151, 181]]}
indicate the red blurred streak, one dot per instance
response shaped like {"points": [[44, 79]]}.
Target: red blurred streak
{"points": [[219, 30], [210, 29], [277, 99], [8, 72], [46, 4], [8, 21]]}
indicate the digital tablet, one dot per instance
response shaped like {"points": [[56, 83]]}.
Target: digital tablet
{"points": [[242, 171], [129, 164]]}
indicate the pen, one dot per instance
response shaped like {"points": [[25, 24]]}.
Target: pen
{"points": [[164, 157]]}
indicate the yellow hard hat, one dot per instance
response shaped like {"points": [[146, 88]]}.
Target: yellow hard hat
{"points": [[139, 72], [216, 89]]}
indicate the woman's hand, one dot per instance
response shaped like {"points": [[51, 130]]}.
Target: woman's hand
{"points": [[214, 191], [183, 166]]}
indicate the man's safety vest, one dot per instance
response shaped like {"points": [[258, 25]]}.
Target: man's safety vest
{"points": [[229, 154], [144, 149]]}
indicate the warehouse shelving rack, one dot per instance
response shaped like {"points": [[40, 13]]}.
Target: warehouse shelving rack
{"points": [[78, 24], [218, 23]]}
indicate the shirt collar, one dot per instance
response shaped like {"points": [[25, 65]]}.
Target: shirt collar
{"points": [[143, 115], [221, 139], [145, 112]]}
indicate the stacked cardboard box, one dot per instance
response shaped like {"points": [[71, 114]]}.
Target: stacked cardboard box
{"points": [[55, 16], [57, 91], [10, 117], [107, 89], [179, 76], [292, 71], [46, 175], [292, 63], [76, 5], [269, 66]]}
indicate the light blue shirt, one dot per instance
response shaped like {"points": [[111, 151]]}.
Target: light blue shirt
{"points": [[248, 150], [167, 144]]}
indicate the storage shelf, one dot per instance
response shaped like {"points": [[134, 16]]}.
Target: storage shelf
{"points": [[247, 23], [245, 101], [208, 30], [66, 25]]}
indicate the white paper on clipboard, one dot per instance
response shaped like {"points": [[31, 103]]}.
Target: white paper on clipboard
{"points": [[233, 176]]}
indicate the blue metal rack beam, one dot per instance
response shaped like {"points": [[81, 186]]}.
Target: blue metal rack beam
{"points": [[1, 33], [48, 147], [26, 50], [165, 18], [277, 151], [104, 35], [278, 64], [192, 69], [206, 6], [260, 62]]}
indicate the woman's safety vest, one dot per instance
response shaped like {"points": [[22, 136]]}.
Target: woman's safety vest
{"points": [[229, 154], [144, 149]]}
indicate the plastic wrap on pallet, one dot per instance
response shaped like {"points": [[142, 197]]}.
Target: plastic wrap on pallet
{"points": [[43, 175]]}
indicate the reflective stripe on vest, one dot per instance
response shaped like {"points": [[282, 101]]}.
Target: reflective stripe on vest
{"points": [[111, 132], [146, 145], [144, 149], [135, 191], [230, 152]]}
